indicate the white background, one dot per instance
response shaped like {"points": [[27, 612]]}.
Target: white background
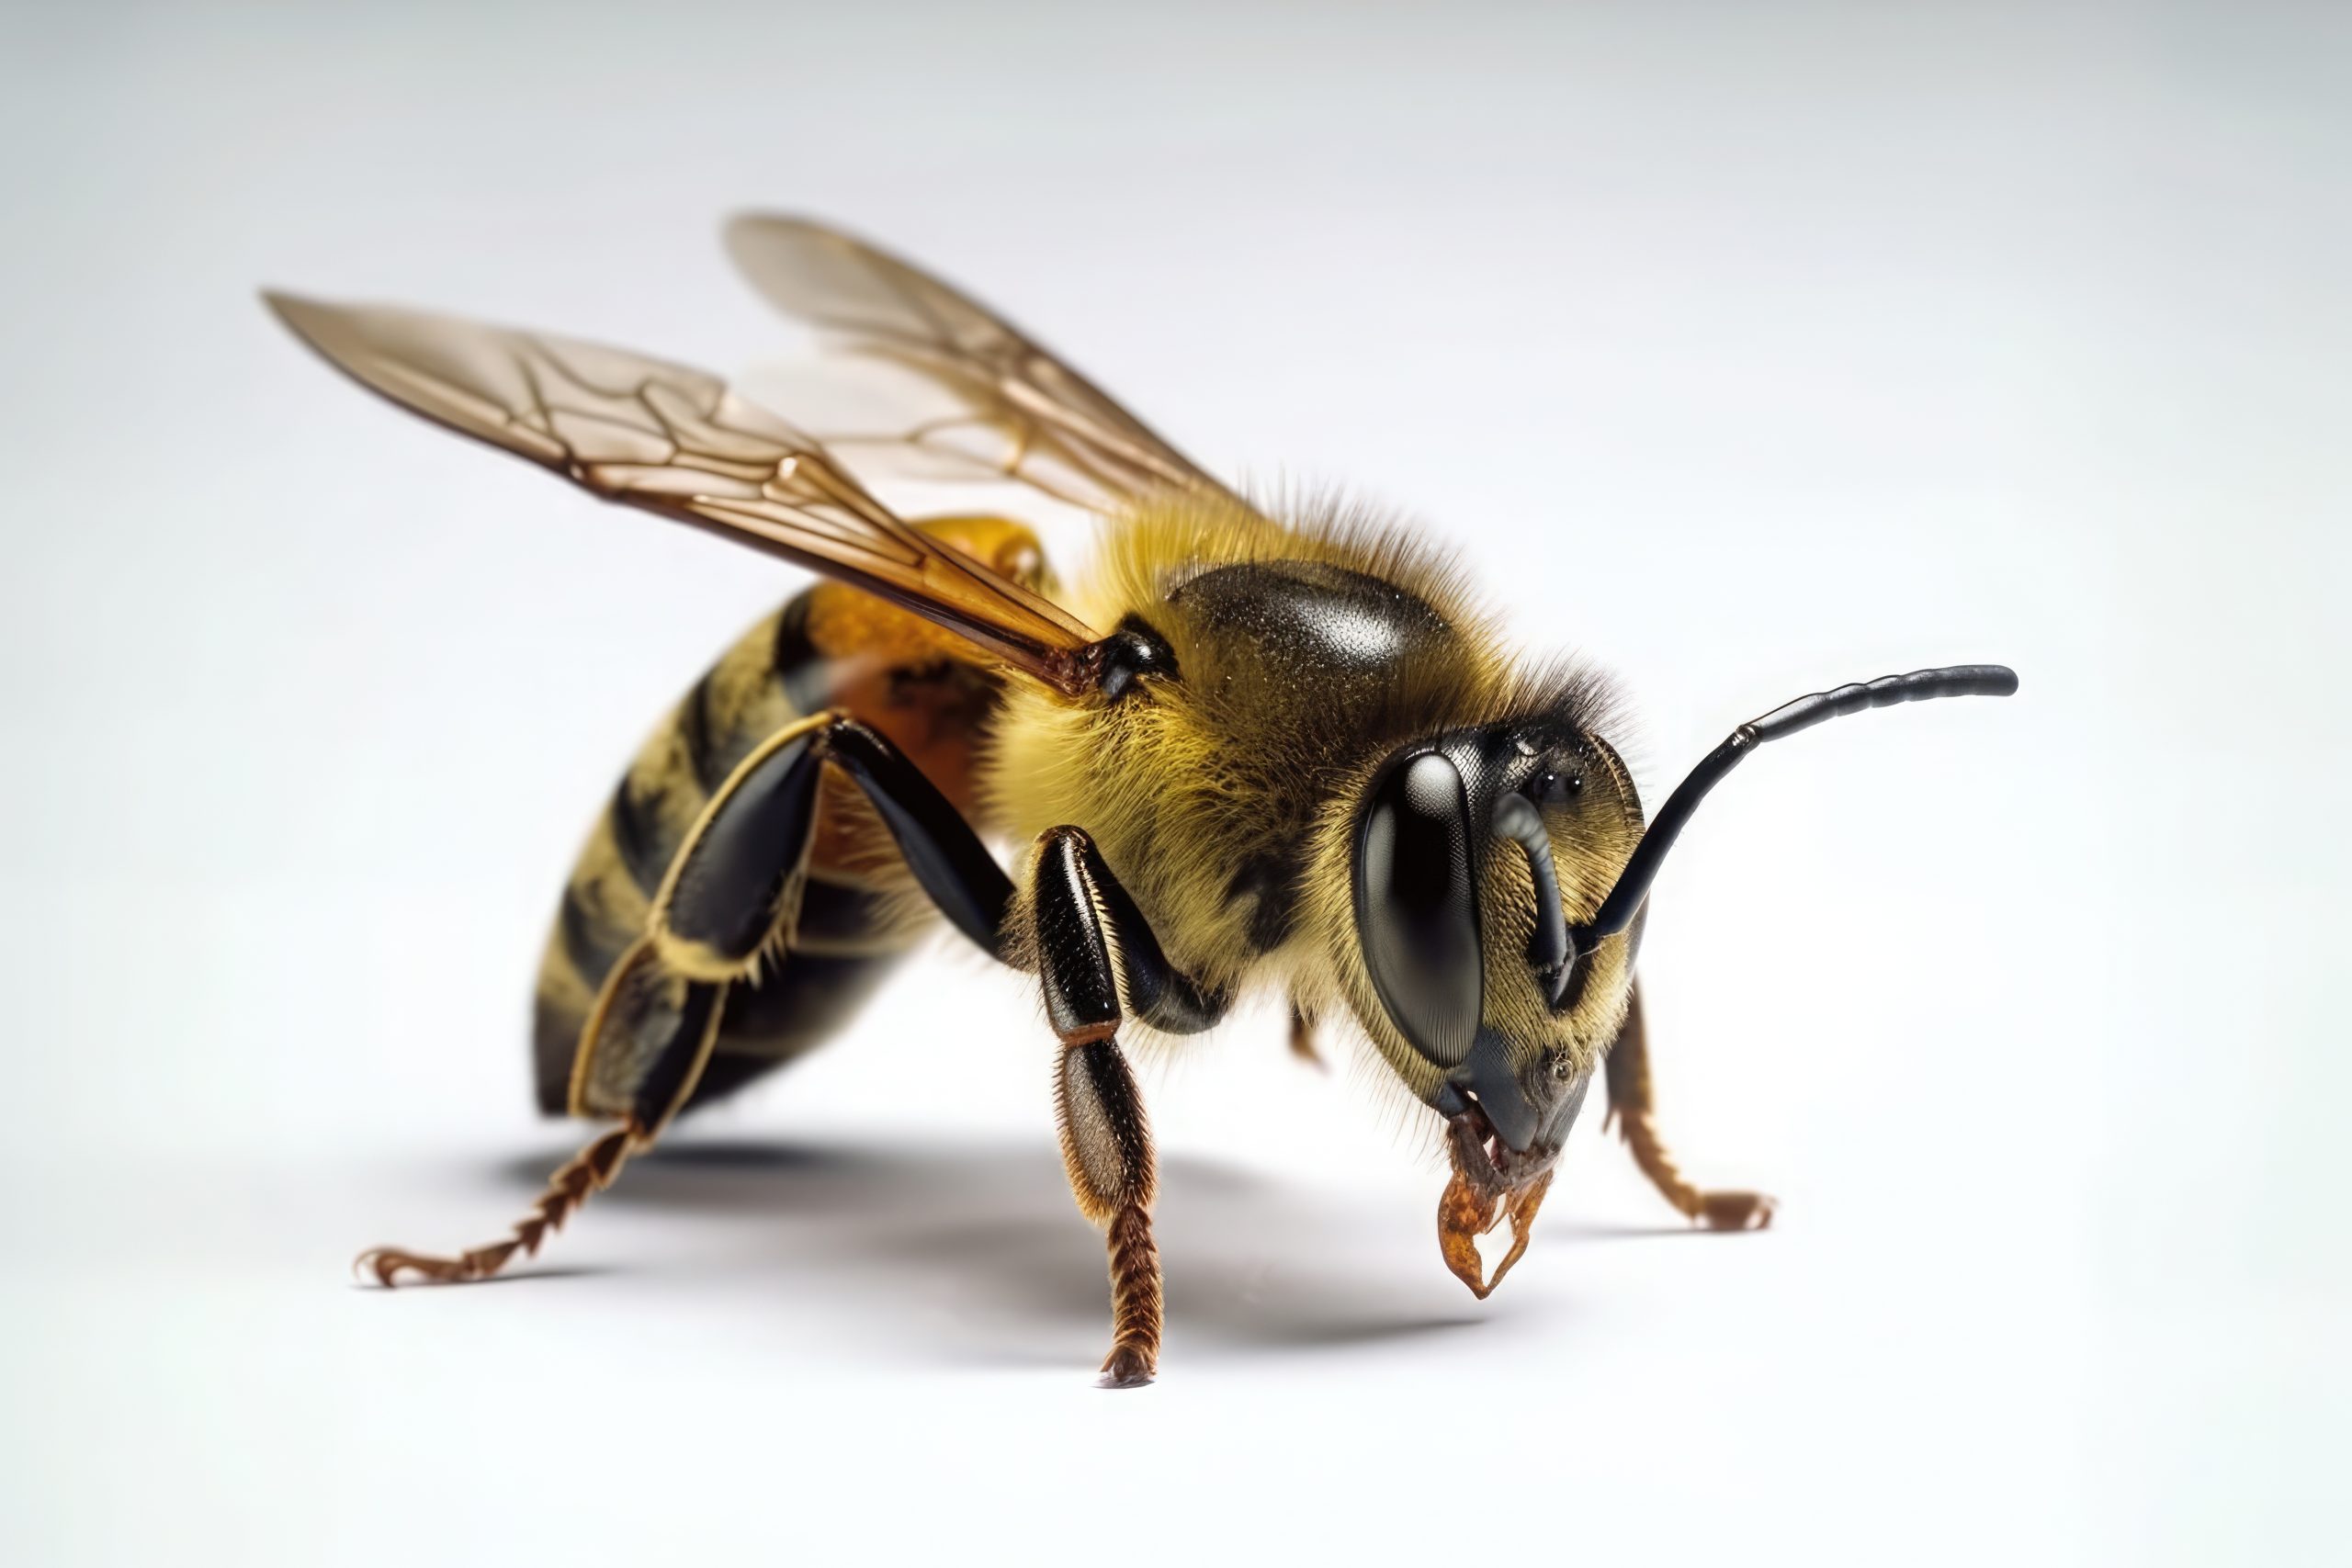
{"points": [[1746, 349]]}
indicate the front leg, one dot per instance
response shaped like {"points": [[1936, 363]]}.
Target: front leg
{"points": [[1633, 1107], [1093, 946]]}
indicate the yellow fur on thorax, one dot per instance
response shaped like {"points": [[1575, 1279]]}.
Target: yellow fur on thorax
{"points": [[1172, 785]]}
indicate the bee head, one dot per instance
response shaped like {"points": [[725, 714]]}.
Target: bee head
{"points": [[1477, 854], [1499, 876]]}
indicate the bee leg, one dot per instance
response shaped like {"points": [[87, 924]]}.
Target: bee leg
{"points": [[1080, 925], [656, 1021], [1107, 1147], [728, 899], [1633, 1105], [590, 1171], [733, 890], [1302, 1038], [952, 867], [1095, 951]]}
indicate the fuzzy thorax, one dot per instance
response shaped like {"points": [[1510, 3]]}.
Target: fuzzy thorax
{"points": [[1226, 799]]}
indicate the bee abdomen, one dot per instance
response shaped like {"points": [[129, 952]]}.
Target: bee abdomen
{"points": [[848, 933]]}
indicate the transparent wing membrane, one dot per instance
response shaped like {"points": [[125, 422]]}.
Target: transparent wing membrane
{"points": [[679, 442], [975, 397]]}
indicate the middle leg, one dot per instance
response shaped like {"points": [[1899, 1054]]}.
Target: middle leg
{"points": [[1096, 956]]}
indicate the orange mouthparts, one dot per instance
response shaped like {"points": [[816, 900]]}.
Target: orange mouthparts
{"points": [[1466, 1212]]}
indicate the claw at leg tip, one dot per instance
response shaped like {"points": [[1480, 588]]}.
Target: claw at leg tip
{"points": [[1735, 1211], [1125, 1369]]}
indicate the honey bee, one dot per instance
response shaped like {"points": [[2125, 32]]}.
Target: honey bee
{"points": [[1249, 750]]}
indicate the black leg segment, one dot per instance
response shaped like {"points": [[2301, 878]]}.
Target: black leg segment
{"points": [[1073, 950], [1096, 952], [737, 868], [944, 852], [1076, 897], [728, 894]]}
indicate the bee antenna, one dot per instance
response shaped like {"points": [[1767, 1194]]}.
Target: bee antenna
{"points": [[1625, 900]]}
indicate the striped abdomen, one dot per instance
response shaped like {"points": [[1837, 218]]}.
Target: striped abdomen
{"points": [[831, 648]]}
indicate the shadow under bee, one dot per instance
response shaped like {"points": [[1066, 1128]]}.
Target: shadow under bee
{"points": [[980, 1240], [974, 1252]]}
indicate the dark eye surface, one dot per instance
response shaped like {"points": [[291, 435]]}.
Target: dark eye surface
{"points": [[1416, 910]]}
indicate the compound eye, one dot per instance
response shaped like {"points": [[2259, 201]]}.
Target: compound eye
{"points": [[1417, 905]]}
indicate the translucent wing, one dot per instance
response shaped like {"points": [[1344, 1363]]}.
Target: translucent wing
{"points": [[676, 441], [1000, 405]]}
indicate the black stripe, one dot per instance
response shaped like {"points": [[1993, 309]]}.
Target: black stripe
{"points": [[694, 732], [587, 939], [728, 1071], [800, 1001], [790, 1012], [639, 840], [555, 1040], [831, 912], [805, 674]]}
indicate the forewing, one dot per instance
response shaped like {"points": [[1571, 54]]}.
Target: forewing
{"points": [[1000, 406], [676, 441]]}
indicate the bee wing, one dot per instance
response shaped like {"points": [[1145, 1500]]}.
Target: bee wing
{"points": [[1002, 406], [677, 442]]}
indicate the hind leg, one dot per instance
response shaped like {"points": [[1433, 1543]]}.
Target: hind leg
{"points": [[732, 892], [662, 1024], [1633, 1106], [728, 906], [590, 1171]]}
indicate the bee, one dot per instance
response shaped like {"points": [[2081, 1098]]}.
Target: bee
{"points": [[1254, 748]]}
